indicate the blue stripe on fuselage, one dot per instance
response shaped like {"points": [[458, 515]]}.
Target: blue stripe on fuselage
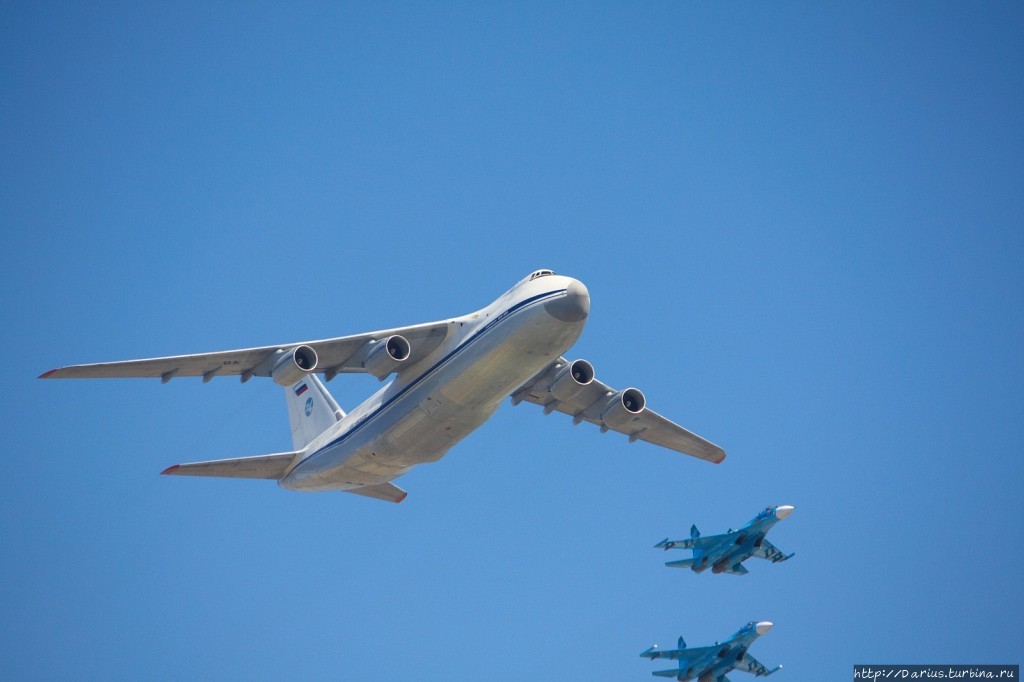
{"points": [[391, 401]]}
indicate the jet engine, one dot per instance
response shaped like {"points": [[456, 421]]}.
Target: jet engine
{"points": [[623, 407], [571, 380], [292, 364], [386, 355]]}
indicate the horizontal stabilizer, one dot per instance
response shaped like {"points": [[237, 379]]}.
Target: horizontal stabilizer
{"points": [[666, 673], [261, 466], [682, 563], [389, 492]]}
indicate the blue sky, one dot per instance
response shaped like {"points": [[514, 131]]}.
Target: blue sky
{"points": [[801, 227]]}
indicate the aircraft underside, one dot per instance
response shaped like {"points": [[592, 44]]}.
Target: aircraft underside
{"points": [[423, 424]]}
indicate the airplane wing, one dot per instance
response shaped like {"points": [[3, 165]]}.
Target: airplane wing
{"points": [[770, 552], [689, 654], [589, 401], [754, 666], [342, 354], [705, 543], [688, 543]]}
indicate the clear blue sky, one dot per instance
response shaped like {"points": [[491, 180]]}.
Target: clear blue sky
{"points": [[801, 227]]}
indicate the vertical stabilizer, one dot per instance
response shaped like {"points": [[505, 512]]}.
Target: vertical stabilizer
{"points": [[311, 410]]}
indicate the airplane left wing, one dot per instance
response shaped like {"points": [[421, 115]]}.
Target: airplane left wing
{"points": [[334, 356], [770, 552], [570, 388]]}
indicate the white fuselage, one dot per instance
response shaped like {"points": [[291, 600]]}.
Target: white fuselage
{"points": [[433, 405]]}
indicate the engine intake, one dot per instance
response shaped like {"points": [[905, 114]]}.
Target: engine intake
{"points": [[386, 355], [571, 380], [623, 407], [293, 364]]}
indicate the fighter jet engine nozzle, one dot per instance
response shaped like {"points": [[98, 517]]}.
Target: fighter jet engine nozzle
{"points": [[783, 510], [571, 380], [763, 627], [292, 364], [385, 355], [623, 407]]}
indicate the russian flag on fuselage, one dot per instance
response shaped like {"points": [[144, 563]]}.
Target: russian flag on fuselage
{"points": [[301, 388]]}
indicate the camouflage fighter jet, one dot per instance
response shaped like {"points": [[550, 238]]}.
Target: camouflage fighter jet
{"points": [[712, 663], [726, 553]]}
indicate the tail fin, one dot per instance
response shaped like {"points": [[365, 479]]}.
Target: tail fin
{"points": [[311, 410], [694, 533]]}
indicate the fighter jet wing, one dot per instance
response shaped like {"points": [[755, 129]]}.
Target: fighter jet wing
{"points": [[342, 354], [770, 552], [754, 666], [688, 654], [688, 543], [705, 543], [589, 402]]}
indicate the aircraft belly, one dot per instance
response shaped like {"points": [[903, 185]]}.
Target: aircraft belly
{"points": [[443, 409], [494, 369]]}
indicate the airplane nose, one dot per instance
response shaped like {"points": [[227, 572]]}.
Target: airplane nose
{"points": [[763, 627], [572, 307], [784, 510]]}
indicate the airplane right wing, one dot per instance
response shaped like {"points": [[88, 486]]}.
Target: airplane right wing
{"points": [[595, 402], [338, 355], [770, 552], [754, 666]]}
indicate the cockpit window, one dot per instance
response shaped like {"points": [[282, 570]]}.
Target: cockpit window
{"points": [[540, 273]]}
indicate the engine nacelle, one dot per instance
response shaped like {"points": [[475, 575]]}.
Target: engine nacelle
{"points": [[386, 355], [292, 364], [623, 407], [571, 380]]}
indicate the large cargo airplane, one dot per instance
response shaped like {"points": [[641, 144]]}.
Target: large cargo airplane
{"points": [[450, 377]]}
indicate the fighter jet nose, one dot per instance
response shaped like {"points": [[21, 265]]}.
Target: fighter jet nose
{"points": [[784, 510], [764, 626], [572, 307]]}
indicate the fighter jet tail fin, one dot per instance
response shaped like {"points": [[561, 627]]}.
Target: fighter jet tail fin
{"points": [[694, 533]]}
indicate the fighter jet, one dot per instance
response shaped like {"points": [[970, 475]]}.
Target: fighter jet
{"points": [[726, 553], [711, 663]]}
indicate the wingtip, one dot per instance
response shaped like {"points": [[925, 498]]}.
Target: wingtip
{"points": [[401, 497], [46, 375], [169, 470], [721, 458]]}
